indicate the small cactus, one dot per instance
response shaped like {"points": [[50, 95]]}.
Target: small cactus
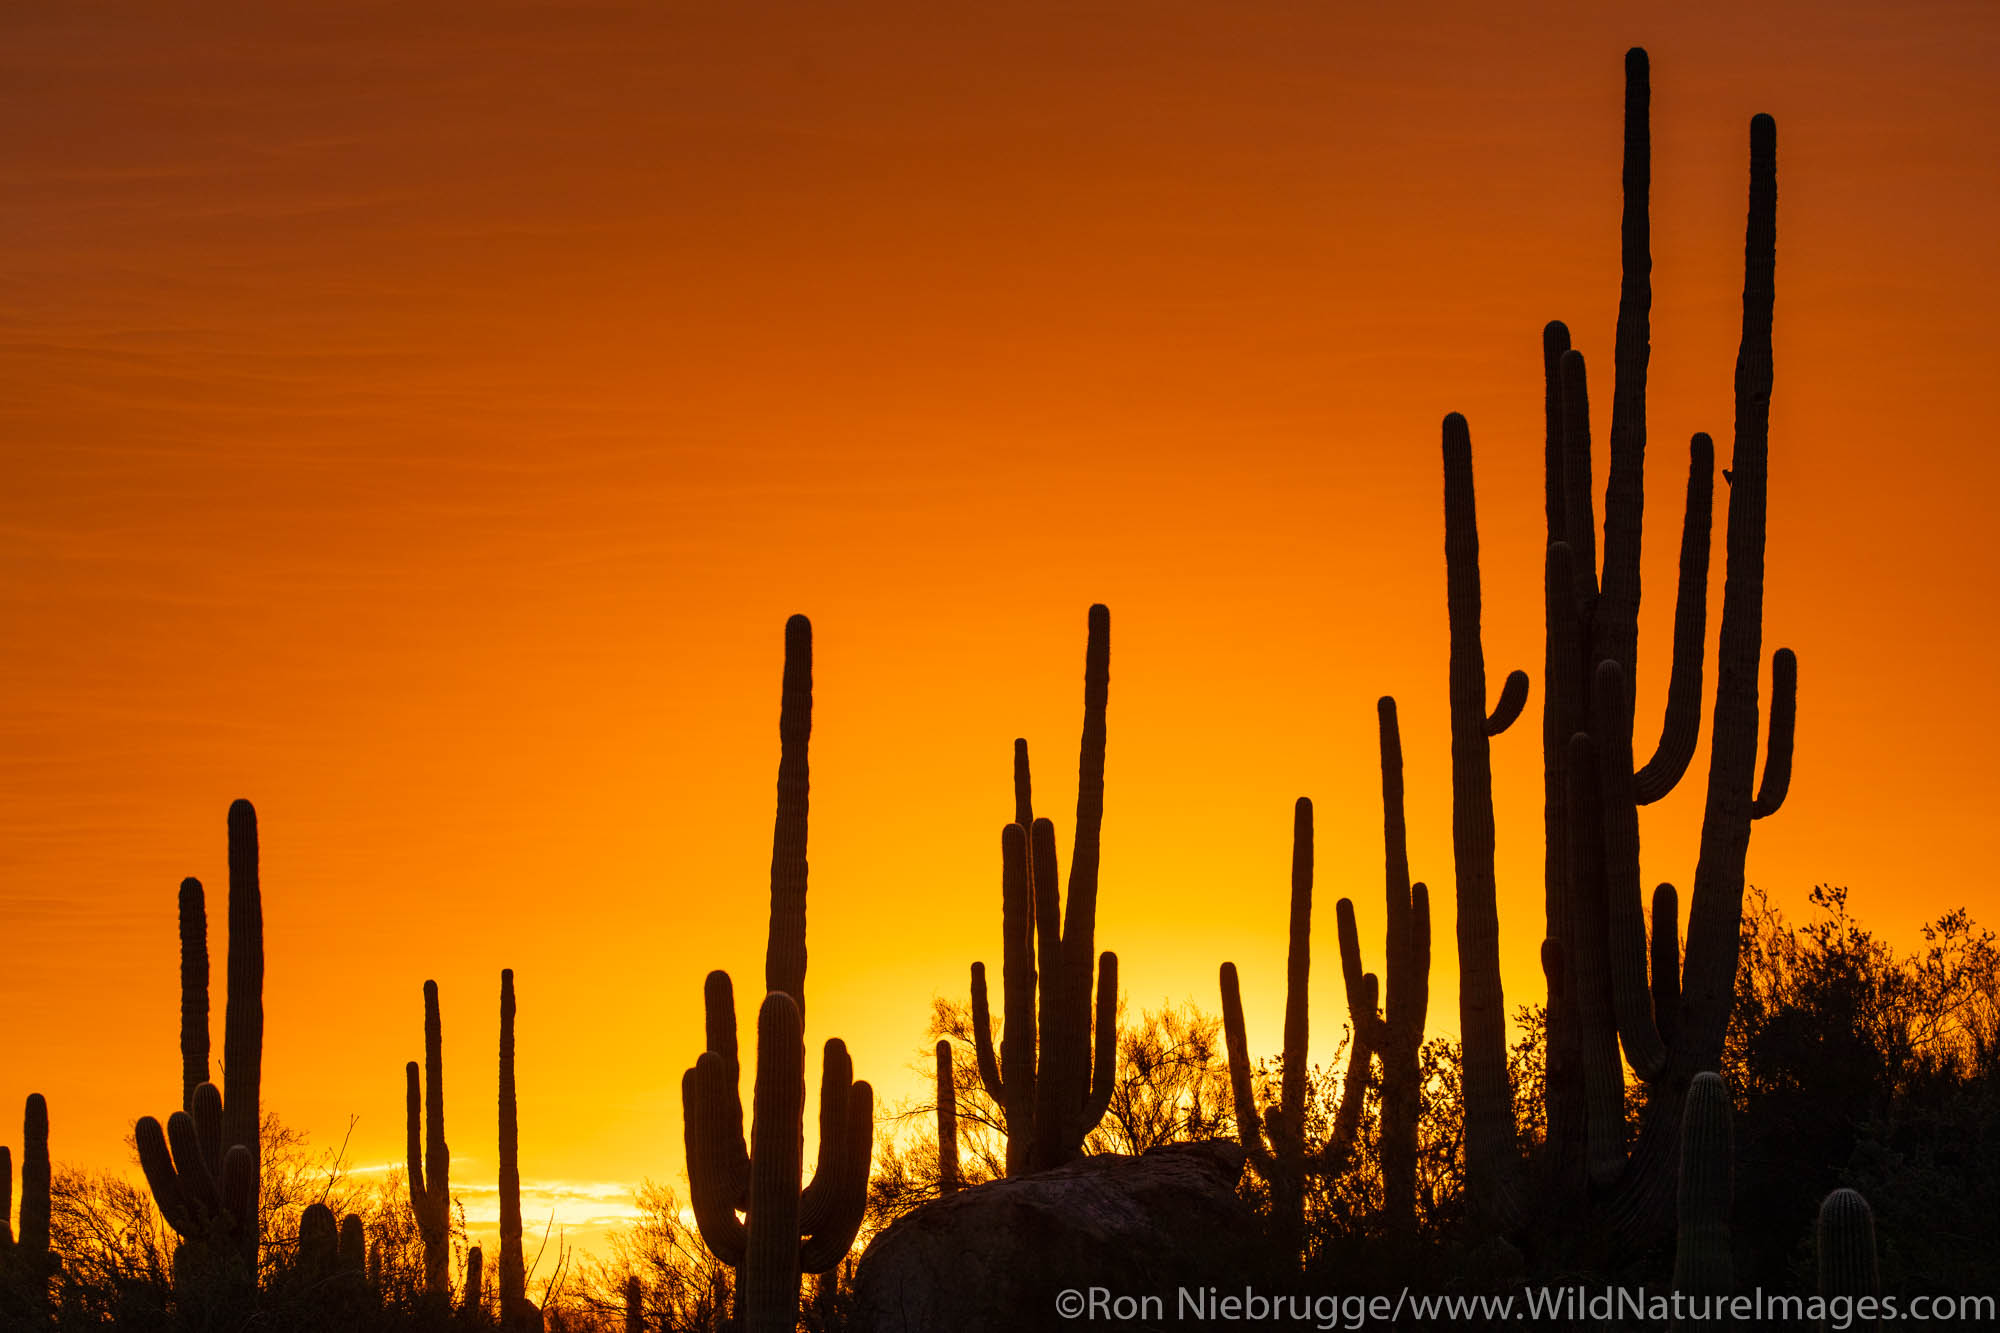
{"points": [[1702, 1260], [947, 1123], [473, 1304], [1844, 1241], [635, 1305], [428, 1155]]}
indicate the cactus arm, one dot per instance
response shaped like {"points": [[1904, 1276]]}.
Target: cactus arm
{"points": [[353, 1243], [198, 1184], [1555, 342], [1420, 957], [1397, 961], [1666, 950], [1616, 625], [710, 1160], [1784, 722], [1491, 1152], [1249, 1126], [1024, 801], [1079, 926], [158, 1165], [1681, 728], [1631, 996], [319, 1238], [33, 1236], [1354, 1084], [6, 1200], [770, 1272], [207, 1114], [1104, 1070], [719, 1020], [785, 956], [1513, 698], [239, 1187], [1368, 1025], [1702, 1263], [828, 1245], [947, 1122], [194, 991], [982, 1040], [413, 1103], [816, 1203]]}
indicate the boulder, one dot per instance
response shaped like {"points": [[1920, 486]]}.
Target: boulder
{"points": [[1085, 1244]]}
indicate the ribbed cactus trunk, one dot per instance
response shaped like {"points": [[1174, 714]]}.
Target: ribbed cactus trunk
{"points": [[785, 1230], [1844, 1245], [194, 991], [428, 1155], [1492, 1154], [1051, 1090], [516, 1311], [1703, 1265], [1397, 1036], [243, 1020], [947, 1123], [28, 1248]]}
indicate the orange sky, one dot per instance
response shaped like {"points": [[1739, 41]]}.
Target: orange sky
{"points": [[421, 419]]}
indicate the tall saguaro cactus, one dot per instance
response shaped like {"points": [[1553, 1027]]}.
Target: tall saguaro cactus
{"points": [[1396, 1035], [428, 1155], [1051, 1090], [202, 1167], [1703, 1265], [1283, 1162], [516, 1310], [1610, 988], [947, 1122], [785, 1229]]}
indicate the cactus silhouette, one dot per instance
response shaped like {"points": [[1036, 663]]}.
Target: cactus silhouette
{"points": [[947, 1122], [1844, 1245], [516, 1310], [1282, 1162], [1396, 1036], [428, 1155], [202, 1168], [1609, 987], [1051, 1091], [1703, 1266], [472, 1305], [785, 1229], [24, 1253]]}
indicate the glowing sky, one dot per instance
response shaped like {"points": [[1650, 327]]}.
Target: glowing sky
{"points": [[421, 419]]}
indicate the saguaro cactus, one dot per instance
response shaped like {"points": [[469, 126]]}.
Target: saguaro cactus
{"points": [[1703, 1266], [1844, 1241], [516, 1310], [947, 1122], [1053, 1093], [1596, 953], [1283, 1162], [785, 1229], [28, 1249], [473, 1303], [1396, 1036], [203, 1166], [635, 1305], [428, 1154]]}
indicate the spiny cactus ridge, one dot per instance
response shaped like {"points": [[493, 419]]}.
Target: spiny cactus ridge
{"points": [[785, 1229], [202, 1167], [1053, 1093], [429, 1157], [1609, 987], [1702, 1259]]}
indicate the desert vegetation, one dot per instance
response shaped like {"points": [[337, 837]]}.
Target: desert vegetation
{"points": [[1727, 1101]]}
